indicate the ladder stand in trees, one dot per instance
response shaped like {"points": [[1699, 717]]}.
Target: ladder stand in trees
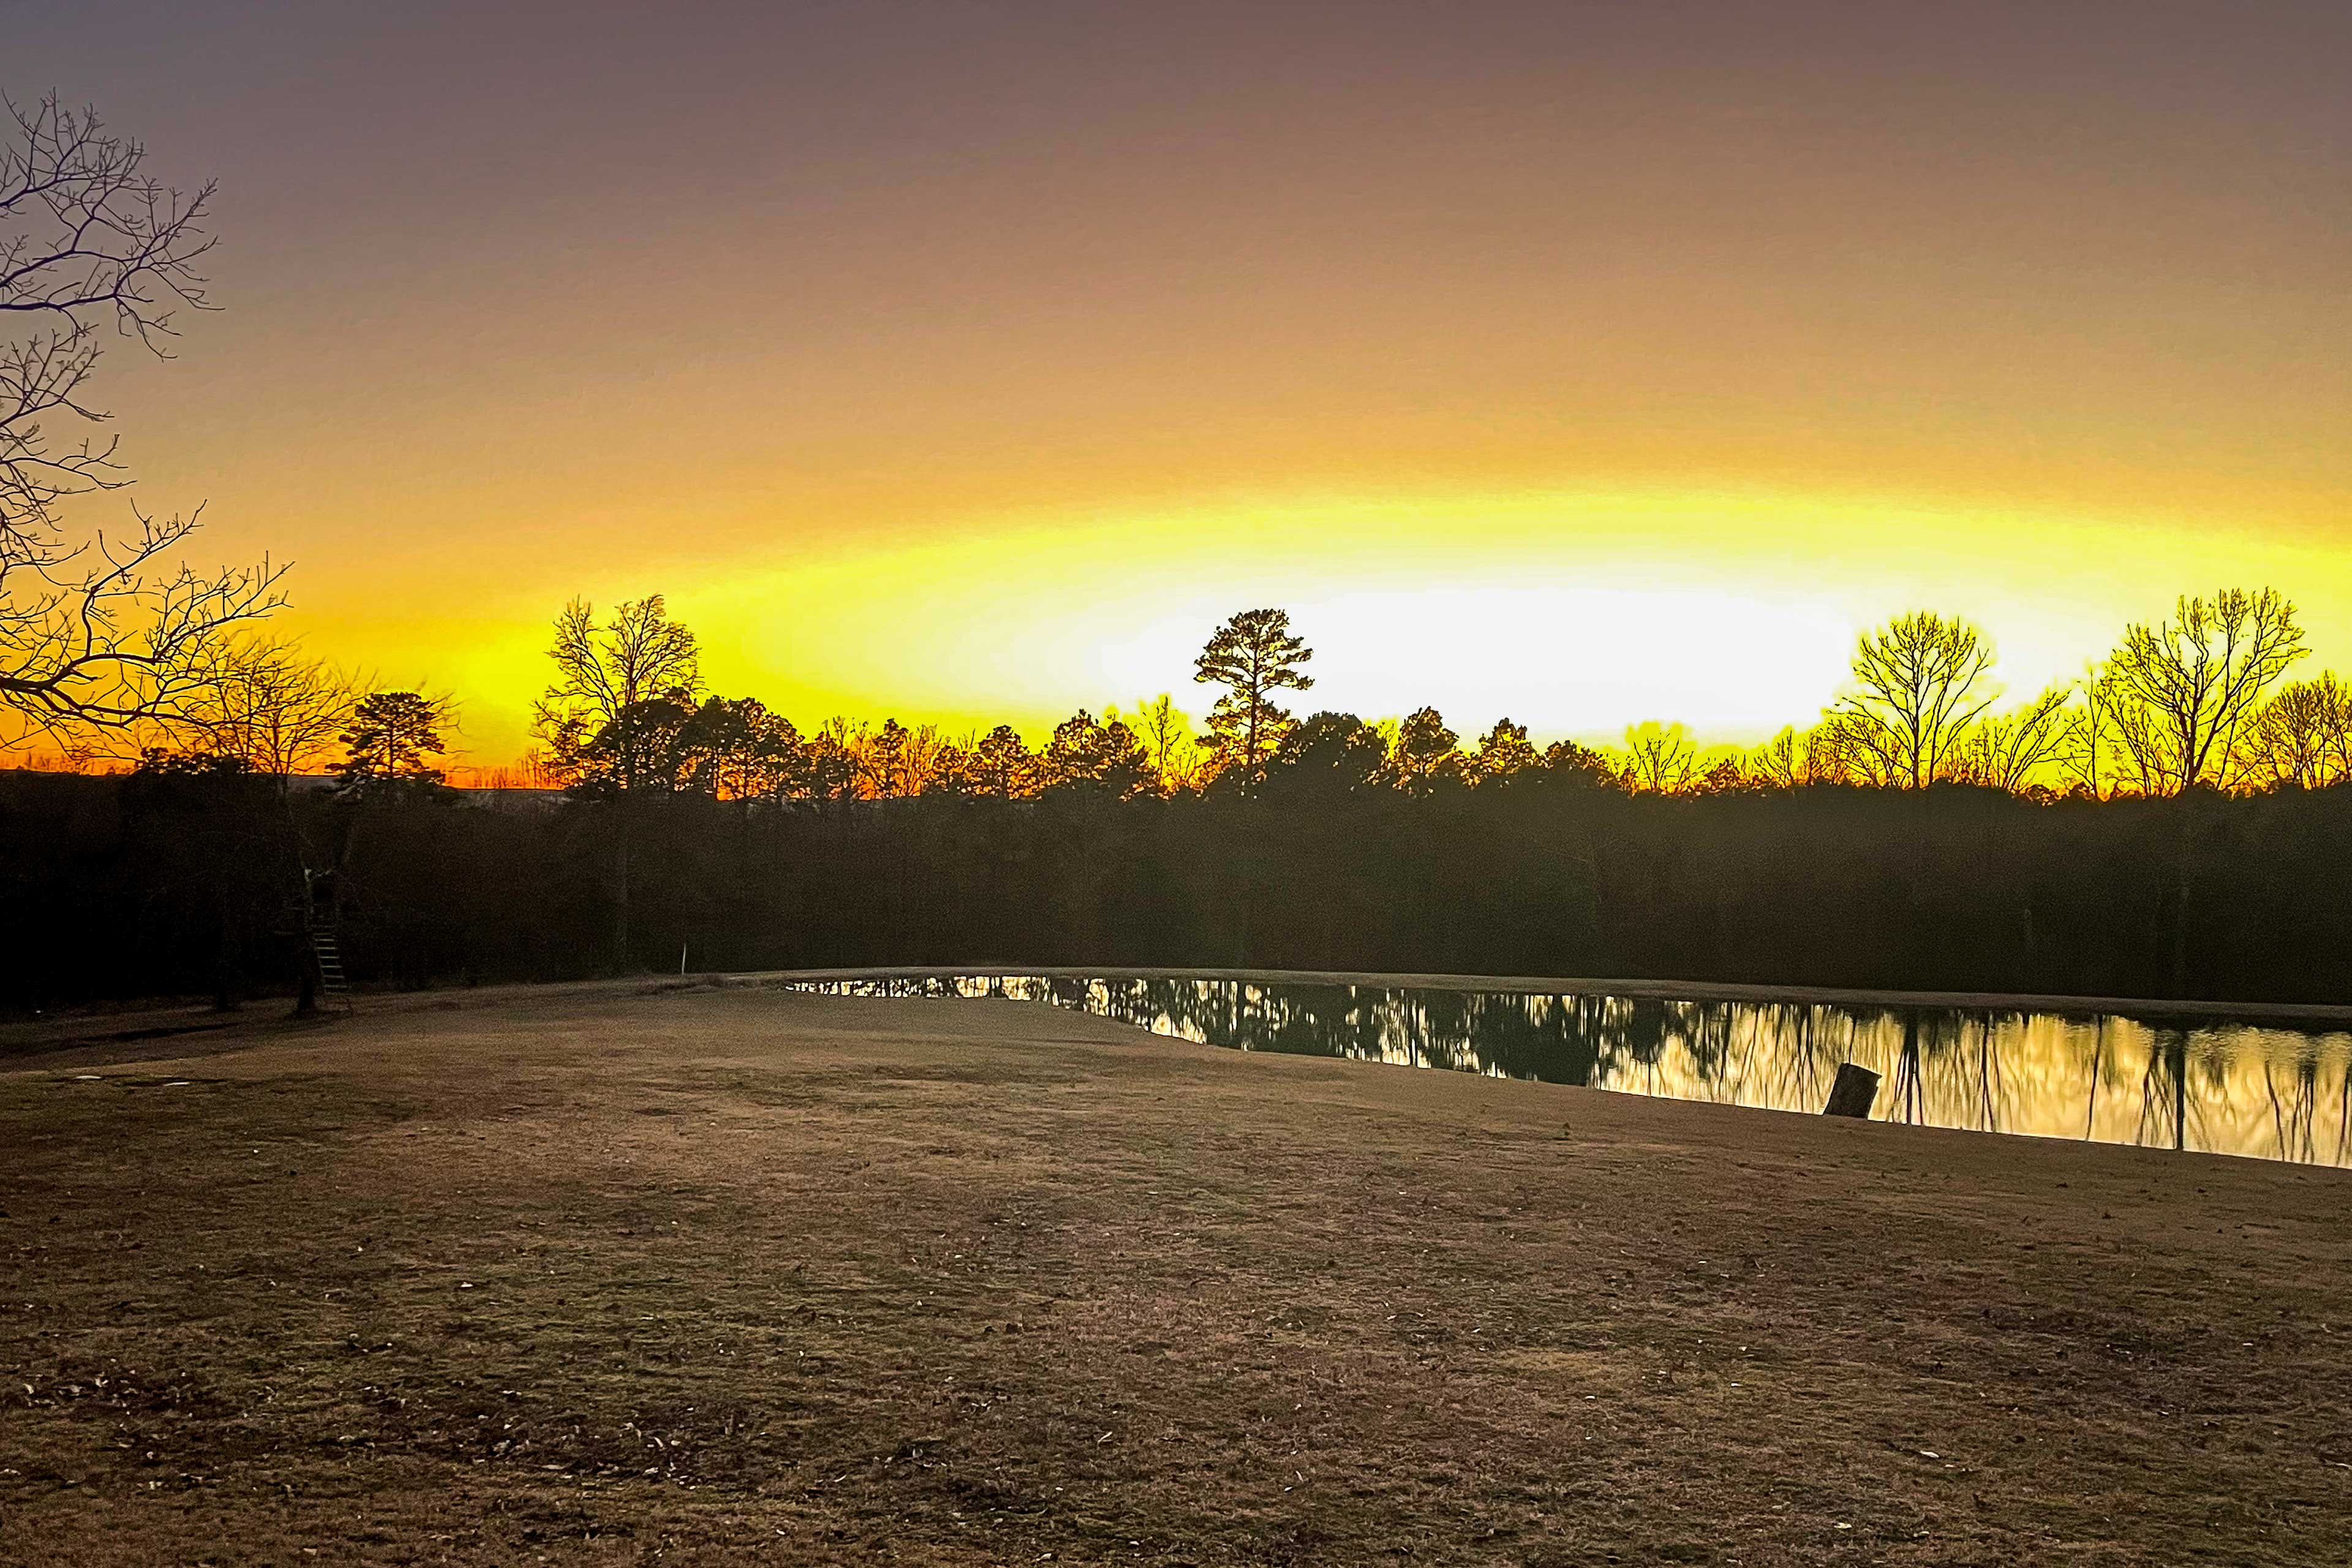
{"points": [[333, 989]]}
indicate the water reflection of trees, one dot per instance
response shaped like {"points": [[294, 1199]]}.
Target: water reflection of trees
{"points": [[2232, 1090]]}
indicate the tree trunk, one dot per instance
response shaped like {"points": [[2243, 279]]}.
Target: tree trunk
{"points": [[621, 894], [2181, 899], [225, 964], [306, 989]]}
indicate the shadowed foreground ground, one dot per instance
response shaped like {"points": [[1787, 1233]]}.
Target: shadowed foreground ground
{"points": [[698, 1275]]}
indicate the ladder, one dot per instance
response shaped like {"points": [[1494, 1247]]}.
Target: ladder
{"points": [[333, 989]]}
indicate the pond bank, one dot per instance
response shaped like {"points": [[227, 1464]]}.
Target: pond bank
{"points": [[2326, 1014]]}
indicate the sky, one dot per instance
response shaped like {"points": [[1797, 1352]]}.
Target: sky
{"points": [[1585, 363]]}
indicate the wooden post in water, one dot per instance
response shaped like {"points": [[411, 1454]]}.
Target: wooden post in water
{"points": [[1852, 1092]]}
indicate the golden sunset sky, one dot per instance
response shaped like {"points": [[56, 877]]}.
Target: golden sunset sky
{"points": [[1585, 363]]}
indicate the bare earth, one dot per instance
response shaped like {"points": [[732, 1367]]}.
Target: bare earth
{"points": [[720, 1274]]}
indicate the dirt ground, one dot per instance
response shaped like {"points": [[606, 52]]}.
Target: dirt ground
{"points": [[717, 1274]]}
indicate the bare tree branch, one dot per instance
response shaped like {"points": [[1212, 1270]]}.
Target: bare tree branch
{"points": [[2005, 752], [97, 632]]}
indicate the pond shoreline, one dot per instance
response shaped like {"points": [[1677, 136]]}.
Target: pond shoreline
{"points": [[2146, 1009]]}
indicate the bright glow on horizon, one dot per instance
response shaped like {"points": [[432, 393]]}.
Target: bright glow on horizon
{"points": [[1582, 364], [1575, 615]]}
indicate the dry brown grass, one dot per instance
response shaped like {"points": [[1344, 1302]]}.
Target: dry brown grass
{"points": [[728, 1275]]}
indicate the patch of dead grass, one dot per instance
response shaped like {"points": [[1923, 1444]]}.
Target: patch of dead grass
{"points": [[696, 1275]]}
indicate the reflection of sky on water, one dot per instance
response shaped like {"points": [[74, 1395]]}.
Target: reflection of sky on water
{"points": [[2225, 1087]]}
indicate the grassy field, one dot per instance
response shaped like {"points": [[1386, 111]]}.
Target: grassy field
{"points": [[703, 1274]]}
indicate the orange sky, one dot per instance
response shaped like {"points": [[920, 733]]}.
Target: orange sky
{"points": [[1584, 363]]}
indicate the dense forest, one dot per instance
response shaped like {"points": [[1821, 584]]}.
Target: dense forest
{"points": [[703, 833]]}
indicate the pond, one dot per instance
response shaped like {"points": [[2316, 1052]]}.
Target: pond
{"points": [[2265, 1090]]}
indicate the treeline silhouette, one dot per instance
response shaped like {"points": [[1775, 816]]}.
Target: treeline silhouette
{"points": [[2175, 822], [706, 833]]}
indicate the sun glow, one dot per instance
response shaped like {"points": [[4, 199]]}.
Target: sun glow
{"points": [[1577, 614]]}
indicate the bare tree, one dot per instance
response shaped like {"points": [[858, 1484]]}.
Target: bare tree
{"points": [[97, 630], [1727, 775], [2004, 752], [2138, 749], [2300, 739], [602, 673], [1791, 760], [1778, 763], [611, 716], [931, 760], [2091, 752], [2187, 687], [1660, 758], [1166, 735], [1917, 688], [953, 768], [1842, 749], [262, 700]]}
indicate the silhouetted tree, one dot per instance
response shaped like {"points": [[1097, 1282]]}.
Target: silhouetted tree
{"points": [[392, 734], [1724, 776], [1253, 655], [1779, 762], [100, 632], [885, 764], [1003, 765], [1162, 729], [641, 750], [953, 771], [835, 771], [2187, 687], [639, 656], [1660, 759], [2301, 738], [2006, 752], [1104, 755], [1503, 754], [925, 755], [1333, 752], [2087, 753], [734, 749], [1918, 688], [611, 720], [263, 701], [1425, 756], [1580, 767]]}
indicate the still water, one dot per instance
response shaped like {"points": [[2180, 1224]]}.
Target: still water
{"points": [[2268, 1091]]}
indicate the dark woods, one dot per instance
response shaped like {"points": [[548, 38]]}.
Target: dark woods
{"points": [[2172, 824], [2172, 829], [183, 878]]}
